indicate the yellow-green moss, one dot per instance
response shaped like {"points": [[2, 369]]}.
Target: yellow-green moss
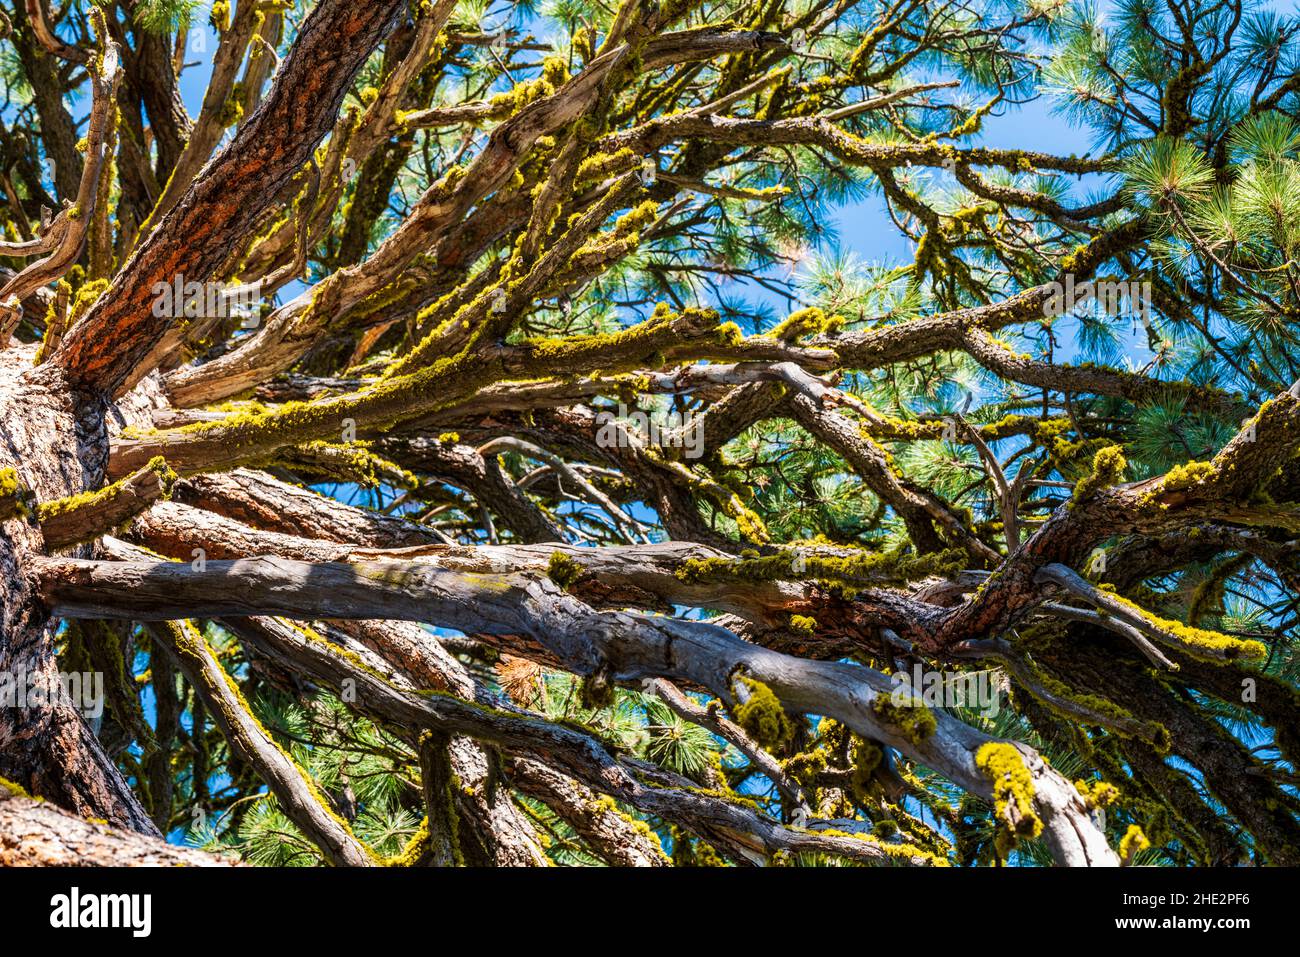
{"points": [[886, 827], [13, 494], [190, 644], [867, 757], [690, 851], [414, 849], [803, 625], [1208, 597], [1180, 478], [86, 501], [1097, 793], [563, 570], [905, 852], [354, 461], [1133, 841], [220, 16], [806, 322], [764, 718], [1056, 696], [914, 720], [805, 766], [1201, 643], [15, 789], [1107, 469], [607, 805], [1013, 792], [796, 564]]}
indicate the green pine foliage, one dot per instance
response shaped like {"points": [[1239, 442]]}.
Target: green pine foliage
{"points": [[1200, 164]]}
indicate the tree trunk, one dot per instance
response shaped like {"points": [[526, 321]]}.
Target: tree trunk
{"points": [[37, 834], [56, 442]]}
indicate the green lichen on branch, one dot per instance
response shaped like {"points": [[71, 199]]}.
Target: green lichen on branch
{"points": [[748, 523], [89, 514], [1107, 469], [1200, 643], [1074, 706], [806, 322], [15, 790], [803, 625], [410, 389], [607, 805], [764, 718], [1132, 843], [90, 501], [442, 824], [13, 495], [691, 851], [1098, 794], [414, 850], [908, 853], [563, 570], [194, 652], [1180, 479], [913, 720], [867, 757], [353, 462], [1013, 793], [804, 767], [798, 564], [1208, 597]]}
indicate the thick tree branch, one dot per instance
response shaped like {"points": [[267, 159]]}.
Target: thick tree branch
{"points": [[193, 239], [38, 834], [628, 647]]}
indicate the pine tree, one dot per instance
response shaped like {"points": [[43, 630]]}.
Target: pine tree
{"points": [[467, 440]]}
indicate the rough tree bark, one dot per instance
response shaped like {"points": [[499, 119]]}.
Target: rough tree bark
{"points": [[515, 279]]}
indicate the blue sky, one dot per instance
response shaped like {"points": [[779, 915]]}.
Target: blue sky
{"points": [[862, 227]]}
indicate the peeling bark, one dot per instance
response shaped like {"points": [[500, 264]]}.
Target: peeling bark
{"points": [[38, 834]]}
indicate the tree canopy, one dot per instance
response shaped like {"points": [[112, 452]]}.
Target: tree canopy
{"points": [[468, 437]]}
